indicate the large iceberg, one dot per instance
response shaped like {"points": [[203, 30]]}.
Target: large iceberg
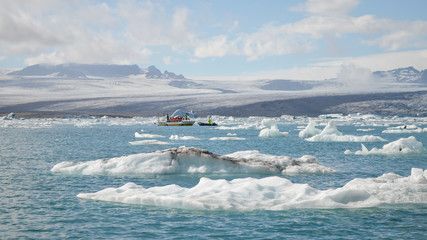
{"points": [[272, 193], [331, 134], [194, 160], [403, 146]]}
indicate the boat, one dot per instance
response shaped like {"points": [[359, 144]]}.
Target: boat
{"points": [[178, 118], [209, 123], [206, 124], [176, 123]]}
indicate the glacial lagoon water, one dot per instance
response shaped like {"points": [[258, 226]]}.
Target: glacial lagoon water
{"points": [[323, 189]]}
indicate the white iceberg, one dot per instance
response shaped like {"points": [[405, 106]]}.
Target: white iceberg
{"points": [[147, 135], [331, 134], [149, 142], [177, 137], [403, 146], [405, 129], [310, 130], [272, 193], [272, 132]]}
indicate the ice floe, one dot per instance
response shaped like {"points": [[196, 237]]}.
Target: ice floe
{"points": [[194, 160], [331, 134], [405, 129], [272, 193], [403, 146], [227, 139], [149, 142], [147, 135], [177, 137]]}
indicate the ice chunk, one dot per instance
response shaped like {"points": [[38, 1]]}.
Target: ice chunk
{"points": [[403, 146], [272, 132], [405, 129], [176, 137], [331, 134], [147, 135], [149, 142], [310, 130]]}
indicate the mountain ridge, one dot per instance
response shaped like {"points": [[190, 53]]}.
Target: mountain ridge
{"points": [[76, 70]]}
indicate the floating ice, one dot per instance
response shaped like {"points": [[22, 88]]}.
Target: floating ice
{"points": [[226, 138], [194, 160], [272, 132], [310, 130], [405, 129], [149, 142], [176, 137], [403, 146], [272, 193], [331, 134], [365, 129], [147, 135]]}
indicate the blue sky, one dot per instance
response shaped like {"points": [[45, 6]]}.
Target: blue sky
{"points": [[311, 39]]}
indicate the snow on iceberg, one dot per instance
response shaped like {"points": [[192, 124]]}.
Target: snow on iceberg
{"points": [[193, 160], [310, 130], [403, 146], [331, 134], [272, 193]]}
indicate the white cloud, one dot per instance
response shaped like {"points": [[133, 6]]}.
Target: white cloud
{"points": [[167, 60], [327, 7], [381, 62], [349, 69], [87, 32], [307, 34]]}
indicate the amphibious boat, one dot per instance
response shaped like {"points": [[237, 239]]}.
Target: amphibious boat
{"points": [[178, 118]]}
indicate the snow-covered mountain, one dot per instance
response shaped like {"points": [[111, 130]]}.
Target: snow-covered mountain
{"points": [[74, 70], [404, 75]]}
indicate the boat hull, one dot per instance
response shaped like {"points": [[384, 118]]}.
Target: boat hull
{"points": [[206, 124], [179, 123]]}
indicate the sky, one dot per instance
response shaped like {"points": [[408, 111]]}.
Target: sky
{"points": [[239, 39]]}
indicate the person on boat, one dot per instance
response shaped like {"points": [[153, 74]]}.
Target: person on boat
{"points": [[167, 117], [210, 120]]}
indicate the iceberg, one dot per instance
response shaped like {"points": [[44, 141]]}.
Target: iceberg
{"points": [[403, 146], [177, 137], [147, 135], [405, 129], [331, 134], [272, 132], [149, 142], [193, 160], [310, 130], [272, 193]]}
